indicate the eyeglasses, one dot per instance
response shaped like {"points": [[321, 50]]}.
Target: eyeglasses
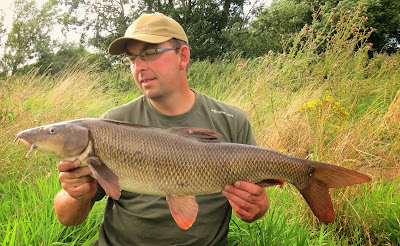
{"points": [[146, 55]]}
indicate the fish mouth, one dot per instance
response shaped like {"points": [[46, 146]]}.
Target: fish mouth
{"points": [[26, 142]]}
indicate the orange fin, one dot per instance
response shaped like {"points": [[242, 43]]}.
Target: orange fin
{"points": [[270, 182], [183, 209], [106, 178], [327, 176], [199, 133]]}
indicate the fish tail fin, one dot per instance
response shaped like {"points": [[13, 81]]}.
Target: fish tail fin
{"points": [[327, 176]]}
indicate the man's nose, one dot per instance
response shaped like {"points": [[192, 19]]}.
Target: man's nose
{"points": [[139, 63]]}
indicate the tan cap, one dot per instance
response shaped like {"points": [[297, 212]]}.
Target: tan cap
{"points": [[149, 28]]}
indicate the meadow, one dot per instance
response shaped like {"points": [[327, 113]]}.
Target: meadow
{"points": [[335, 106]]}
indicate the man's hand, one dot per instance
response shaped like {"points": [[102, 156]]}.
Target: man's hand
{"points": [[249, 201], [74, 202], [77, 180]]}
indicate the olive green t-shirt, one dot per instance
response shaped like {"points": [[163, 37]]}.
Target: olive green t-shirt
{"points": [[137, 219]]}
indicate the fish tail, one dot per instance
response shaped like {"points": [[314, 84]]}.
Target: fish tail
{"points": [[327, 176]]}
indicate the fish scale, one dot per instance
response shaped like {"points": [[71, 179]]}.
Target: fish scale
{"points": [[180, 163], [204, 168]]}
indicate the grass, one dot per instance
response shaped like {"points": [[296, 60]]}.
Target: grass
{"points": [[337, 107], [32, 221], [367, 215]]}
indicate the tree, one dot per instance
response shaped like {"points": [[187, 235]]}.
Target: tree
{"points": [[284, 17], [384, 16], [54, 63], [29, 37], [103, 21], [203, 20], [2, 27]]}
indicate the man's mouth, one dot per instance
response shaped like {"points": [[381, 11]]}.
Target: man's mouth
{"points": [[146, 80]]}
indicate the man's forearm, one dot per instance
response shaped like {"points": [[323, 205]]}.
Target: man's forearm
{"points": [[69, 210]]}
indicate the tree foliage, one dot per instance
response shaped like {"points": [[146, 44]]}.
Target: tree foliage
{"points": [[286, 17], [282, 18], [384, 16], [215, 28], [29, 37], [203, 20]]}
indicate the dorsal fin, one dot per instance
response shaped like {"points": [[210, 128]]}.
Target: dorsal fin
{"points": [[125, 123], [202, 134]]}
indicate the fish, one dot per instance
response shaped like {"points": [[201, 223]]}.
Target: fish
{"points": [[181, 163]]}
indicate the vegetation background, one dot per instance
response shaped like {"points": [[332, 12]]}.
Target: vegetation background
{"points": [[216, 28], [315, 94]]}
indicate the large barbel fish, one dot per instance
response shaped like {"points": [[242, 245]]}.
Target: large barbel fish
{"points": [[180, 163]]}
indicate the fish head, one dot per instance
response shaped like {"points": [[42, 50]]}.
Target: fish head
{"points": [[63, 140]]}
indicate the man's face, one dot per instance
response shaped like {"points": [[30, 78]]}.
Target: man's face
{"points": [[159, 77]]}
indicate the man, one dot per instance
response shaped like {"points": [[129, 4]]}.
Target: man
{"points": [[158, 54]]}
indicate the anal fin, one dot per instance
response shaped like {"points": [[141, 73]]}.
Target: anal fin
{"points": [[106, 178], [270, 182], [183, 209]]}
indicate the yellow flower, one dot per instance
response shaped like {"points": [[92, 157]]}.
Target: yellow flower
{"points": [[328, 98], [310, 104]]}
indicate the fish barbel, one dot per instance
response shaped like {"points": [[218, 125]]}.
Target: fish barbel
{"points": [[180, 163]]}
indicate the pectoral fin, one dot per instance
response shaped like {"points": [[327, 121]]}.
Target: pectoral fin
{"points": [[106, 178], [183, 209]]}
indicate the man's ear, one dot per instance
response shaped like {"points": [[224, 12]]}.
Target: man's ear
{"points": [[185, 57]]}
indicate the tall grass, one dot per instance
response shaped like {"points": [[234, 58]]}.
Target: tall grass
{"points": [[337, 107]]}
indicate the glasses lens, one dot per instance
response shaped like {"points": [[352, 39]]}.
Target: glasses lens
{"points": [[148, 54]]}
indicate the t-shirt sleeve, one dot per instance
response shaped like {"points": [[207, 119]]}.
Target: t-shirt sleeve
{"points": [[246, 135]]}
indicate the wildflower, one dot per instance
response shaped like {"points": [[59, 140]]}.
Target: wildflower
{"points": [[240, 64], [337, 128], [328, 98], [310, 105]]}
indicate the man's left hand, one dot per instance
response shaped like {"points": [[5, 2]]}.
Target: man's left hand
{"points": [[249, 201]]}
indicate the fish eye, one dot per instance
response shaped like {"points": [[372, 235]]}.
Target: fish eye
{"points": [[52, 130]]}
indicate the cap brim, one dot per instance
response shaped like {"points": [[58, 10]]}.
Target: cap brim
{"points": [[118, 46]]}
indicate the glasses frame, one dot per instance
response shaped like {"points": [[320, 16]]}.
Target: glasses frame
{"points": [[131, 60]]}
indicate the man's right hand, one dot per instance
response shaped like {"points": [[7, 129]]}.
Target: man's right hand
{"points": [[73, 203], [77, 180]]}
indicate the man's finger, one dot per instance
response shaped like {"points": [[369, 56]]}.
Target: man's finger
{"points": [[240, 212], [236, 193], [75, 181], [241, 198], [65, 166], [84, 191], [75, 173], [251, 188]]}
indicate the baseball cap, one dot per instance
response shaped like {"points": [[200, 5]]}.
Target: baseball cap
{"points": [[149, 28]]}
